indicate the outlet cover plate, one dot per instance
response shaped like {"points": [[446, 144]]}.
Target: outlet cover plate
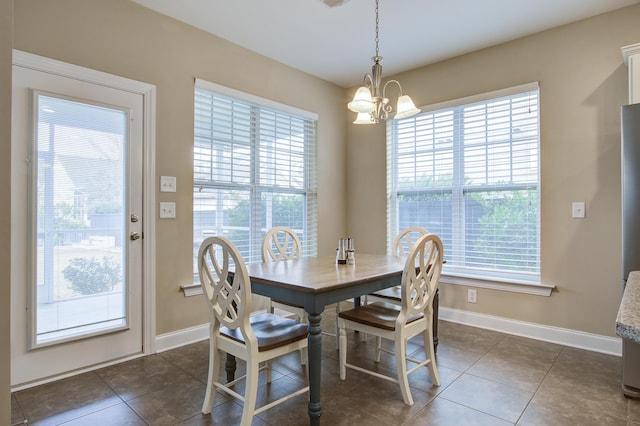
{"points": [[577, 210]]}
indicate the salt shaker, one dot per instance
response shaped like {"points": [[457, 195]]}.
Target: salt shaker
{"points": [[351, 257]]}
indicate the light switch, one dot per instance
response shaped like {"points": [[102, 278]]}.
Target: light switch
{"points": [[167, 184], [577, 210], [167, 210]]}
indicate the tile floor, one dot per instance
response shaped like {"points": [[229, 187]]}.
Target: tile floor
{"points": [[488, 378]]}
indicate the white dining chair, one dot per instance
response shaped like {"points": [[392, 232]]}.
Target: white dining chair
{"points": [[400, 323], [257, 339], [401, 246], [282, 243]]}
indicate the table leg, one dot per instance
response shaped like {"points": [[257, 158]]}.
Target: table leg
{"points": [[315, 367], [230, 367]]}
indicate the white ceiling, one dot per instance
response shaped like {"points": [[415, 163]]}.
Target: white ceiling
{"points": [[336, 43]]}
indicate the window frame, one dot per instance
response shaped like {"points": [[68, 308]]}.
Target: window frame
{"points": [[518, 282], [256, 189]]}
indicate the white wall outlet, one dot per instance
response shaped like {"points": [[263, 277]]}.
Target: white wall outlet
{"points": [[167, 184], [577, 210], [167, 210], [472, 295]]}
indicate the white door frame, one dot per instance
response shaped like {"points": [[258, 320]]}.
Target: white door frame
{"points": [[148, 93]]}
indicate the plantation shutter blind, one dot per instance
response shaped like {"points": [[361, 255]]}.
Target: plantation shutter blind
{"points": [[254, 168], [468, 171]]}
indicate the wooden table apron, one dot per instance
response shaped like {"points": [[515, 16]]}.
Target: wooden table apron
{"points": [[314, 283]]}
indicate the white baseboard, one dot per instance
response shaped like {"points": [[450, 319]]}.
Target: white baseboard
{"points": [[175, 339], [561, 336]]}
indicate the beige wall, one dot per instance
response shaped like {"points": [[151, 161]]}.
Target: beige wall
{"points": [[123, 38], [583, 83], [6, 39]]}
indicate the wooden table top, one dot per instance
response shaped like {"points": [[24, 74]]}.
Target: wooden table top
{"points": [[322, 274]]}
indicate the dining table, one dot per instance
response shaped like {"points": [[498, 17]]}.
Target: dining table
{"points": [[314, 283]]}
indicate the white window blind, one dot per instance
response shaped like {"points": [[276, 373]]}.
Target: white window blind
{"points": [[254, 168], [468, 170]]}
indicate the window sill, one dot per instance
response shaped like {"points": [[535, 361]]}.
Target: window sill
{"points": [[514, 286], [191, 289]]}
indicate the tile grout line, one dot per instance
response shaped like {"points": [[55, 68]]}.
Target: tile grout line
{"points": [[120, 397], [562, 348]]}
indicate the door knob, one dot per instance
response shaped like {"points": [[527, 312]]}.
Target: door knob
{"points": [[135, 236]]}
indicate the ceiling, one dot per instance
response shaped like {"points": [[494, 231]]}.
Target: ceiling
{"points": [[335, 39]]}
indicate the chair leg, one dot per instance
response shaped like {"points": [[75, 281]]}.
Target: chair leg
{"points": [[378, 348], [269, 371], [250, 393], [342, 348], [214, 370], [337, 331], [429, 351], [303, 356], [401, 368], [303, 351]]}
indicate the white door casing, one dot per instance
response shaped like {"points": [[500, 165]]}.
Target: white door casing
{"points": [[137, 338]]}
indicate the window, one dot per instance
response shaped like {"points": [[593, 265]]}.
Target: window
{"points": [[254, 168], [468, 171]]}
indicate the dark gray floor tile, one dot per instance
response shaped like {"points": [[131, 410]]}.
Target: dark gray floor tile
{"points": [[487, 378], [340, 412], [634, 409], [421, 380], [535, 353], [227, 414], [120, 415], [66, 399], [582, 365], [566, 401], [441, 412], [192, 359], [457, 358], [16, 411], [142, 376], [508, 371], [493, 398], [172, 404], [380, 397], [466, 337]]}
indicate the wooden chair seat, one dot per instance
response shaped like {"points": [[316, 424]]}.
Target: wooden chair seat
{"points": [[272, 331], [380, 315]]}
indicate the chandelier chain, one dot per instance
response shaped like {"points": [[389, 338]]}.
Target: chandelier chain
{"points": [[377, 25]]}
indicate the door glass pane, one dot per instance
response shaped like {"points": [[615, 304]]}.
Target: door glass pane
{"points": [[79, 224]]}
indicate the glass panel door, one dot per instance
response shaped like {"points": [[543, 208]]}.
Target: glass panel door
{"points": [[79, 219]]}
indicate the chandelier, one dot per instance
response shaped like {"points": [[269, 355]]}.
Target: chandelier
{"points": [[371, 103]]}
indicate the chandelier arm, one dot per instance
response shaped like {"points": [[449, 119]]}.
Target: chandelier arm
{"points": [[367, 81], [384, 88]]}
